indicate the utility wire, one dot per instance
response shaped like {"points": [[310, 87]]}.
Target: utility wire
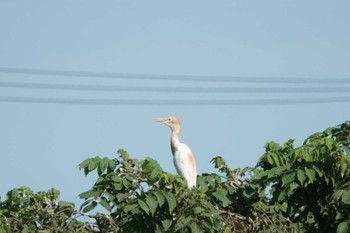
{"points": [[207, 90], [39, 100], [155, 77]]}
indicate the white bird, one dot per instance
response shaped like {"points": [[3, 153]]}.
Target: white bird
{"points": [[183, 158]]}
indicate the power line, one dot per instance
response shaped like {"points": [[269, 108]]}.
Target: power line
{"points": [[230, 90], [129, 102], [157, 77]]}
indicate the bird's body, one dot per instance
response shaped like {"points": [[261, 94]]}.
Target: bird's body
{"points": [[183, 158]]}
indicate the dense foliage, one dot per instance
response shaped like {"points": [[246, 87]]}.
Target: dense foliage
{"points": [[303, 189]]}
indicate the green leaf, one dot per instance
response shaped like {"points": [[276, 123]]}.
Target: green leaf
{"points": [[311, 174], [89, 164], [221, 195], [85, 204], [292, 187], [126, 183], [198, 210], [111, 165], [301, 176], [66, 204], [338, 194], [151, 170], [182, 222], [130, 207], [143, 206], [84, 164], [123, 154], [90, 193], [93, 164], [53, 194], [284, 207], [248, 192], [270, 159], [345, 198], [166, 224], [195, 228], [343, 227], [218, 162], [202, 185], [115, 178], [90, 207], [103, 202], [152, 204], [160, 198], [171, 200], [102, 166], [344, 167], [271, 146], [288, 178]]}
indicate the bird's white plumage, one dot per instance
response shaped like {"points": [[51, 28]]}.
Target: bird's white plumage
{"points": [[184, 164], [184, 161]]}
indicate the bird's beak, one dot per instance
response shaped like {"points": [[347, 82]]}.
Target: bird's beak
{"points": [[161, 119]]}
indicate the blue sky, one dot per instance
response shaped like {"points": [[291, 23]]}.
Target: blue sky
{"points": [[41, 145]]}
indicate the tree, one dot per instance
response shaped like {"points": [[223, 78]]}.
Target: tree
{"points": [[312, 182], [303, 189], [25, 211]]}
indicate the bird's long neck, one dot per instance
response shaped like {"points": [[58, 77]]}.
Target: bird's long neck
{"points": [[175, 141]]}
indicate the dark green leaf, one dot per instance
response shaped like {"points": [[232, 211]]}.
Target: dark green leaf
{"points": [[160, 198], [111, 165], [130, 207], [103, 202], [90, 207], [218, 162], [171, 200], [270, 159], [102, 166], [152, 204], [143, 206]]}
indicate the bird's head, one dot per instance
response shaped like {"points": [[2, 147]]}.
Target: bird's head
{"points": [[172, 121]]}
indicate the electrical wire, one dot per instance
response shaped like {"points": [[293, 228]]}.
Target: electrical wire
{"points": [[175, 89], [38, 100], [187, 78], [183, 89]]}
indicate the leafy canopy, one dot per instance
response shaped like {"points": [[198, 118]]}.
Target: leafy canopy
{"points": [[302, 189]]}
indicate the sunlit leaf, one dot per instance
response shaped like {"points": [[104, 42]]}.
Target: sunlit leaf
{"points": [[345, 198], [343, 227], [195, 228], [166, 224], [221, 194], [90, 193], [301, 176], [288, 178], [311, 174]]}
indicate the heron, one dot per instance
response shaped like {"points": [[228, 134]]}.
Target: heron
{"points": [[183, 158]]}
